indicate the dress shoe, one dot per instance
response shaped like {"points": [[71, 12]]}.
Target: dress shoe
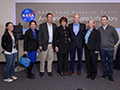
{"points": [[88, 76], [78, 72], [41, 74], [110, 78], [50, 74], [61, 74], [64, 73], [93, 77], [30, 76], [104, 76], [70, 73]]}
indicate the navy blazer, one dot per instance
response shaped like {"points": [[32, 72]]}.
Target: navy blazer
{"points": [[77, 40], [93, 40], [43, 39], [7, 41], [30, 44]]}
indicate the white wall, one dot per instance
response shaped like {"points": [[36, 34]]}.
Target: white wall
{"points": [[7, 12]]}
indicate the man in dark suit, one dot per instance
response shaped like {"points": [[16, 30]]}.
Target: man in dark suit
{"points": [[45, 40], [76, 35]]}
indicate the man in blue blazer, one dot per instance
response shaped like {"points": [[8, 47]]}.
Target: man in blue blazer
{"points": [[76, 35]]}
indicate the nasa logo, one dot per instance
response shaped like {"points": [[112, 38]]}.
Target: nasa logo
{"points": [[28, 15]]}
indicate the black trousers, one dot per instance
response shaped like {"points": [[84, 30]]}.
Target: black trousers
{"points": [[30, 68], [91, 61], [62, 62]]}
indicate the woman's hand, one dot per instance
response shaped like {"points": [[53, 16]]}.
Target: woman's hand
{"points": [[25, 52], [56, 49], [96, 52], [38, 50]]}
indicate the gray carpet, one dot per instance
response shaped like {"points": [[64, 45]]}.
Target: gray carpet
{"points": [[58, 82]]}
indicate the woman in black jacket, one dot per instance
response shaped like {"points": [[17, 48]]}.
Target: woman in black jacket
{"points": [[31, 46], [92, 45], [9, 44], [62, 46]]}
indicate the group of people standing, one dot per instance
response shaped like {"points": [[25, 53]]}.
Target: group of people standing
{"points": [[63, 40]]}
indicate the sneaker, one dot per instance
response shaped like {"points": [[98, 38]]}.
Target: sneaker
{"points": [[14, 78], [8, 80], [110, 78], [104, 76]]}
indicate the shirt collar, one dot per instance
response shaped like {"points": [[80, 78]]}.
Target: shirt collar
{"points": [[105, 27], [49, 25], [89, 30], [76, 24]]}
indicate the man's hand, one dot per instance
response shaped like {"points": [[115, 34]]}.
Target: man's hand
{"points": [[56, 49], [25, 52], [40, 47]]}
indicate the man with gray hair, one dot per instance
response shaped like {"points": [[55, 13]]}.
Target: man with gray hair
{"points": [[76, 35]]}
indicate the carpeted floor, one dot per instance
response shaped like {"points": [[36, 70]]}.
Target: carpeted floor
{"points": [[58, 82]]}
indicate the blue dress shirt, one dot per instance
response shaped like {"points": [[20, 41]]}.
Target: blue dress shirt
{"points": [[76, 28], [87, 36]]}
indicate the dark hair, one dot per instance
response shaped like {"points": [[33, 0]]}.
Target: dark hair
{"points": [[63, 19], [6, 25], [32, 21], [104, 16], [49, 14]]}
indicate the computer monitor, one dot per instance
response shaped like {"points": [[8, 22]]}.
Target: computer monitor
{"points": [[18, 29]]}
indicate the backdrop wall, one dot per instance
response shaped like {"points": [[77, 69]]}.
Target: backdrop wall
{"points": [[7, 9]]}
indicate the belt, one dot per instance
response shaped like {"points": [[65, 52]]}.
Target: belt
{"points": [[50, 43]]}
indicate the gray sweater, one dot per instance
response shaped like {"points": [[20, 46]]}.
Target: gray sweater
{"points": [[109, 37]]}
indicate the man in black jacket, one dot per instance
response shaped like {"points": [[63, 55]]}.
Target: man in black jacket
{"points": [[76, 35], [45, 40]]}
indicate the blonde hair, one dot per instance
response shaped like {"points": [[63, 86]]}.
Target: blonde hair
{"points": [[93, 23]]}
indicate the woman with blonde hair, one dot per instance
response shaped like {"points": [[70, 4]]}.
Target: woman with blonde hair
{"points": [[92, 45]]}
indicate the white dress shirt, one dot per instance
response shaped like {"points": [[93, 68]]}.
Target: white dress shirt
{"points": [[50, 31]]}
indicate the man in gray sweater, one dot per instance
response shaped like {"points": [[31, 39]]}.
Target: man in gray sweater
{"points": [[109, 38]]}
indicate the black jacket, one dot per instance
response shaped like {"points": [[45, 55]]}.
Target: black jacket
{"points": [[43, 39], [30, 44], [77, 40], [61, 39], [7, 42], [93, 40]]}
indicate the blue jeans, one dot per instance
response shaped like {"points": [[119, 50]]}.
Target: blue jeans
{"points": [[72, 58], [10, 64], [107, 60]]}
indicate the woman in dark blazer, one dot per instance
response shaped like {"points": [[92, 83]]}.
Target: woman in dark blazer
{"points": [[92, 45], [62, 46], [31, 46], [10, 46]]}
